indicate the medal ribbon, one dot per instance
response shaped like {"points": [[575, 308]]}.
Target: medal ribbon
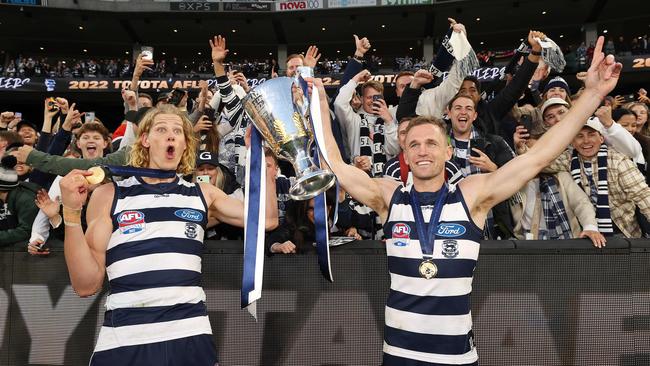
{"points": [[427, 233], [130, 171], [255, 218]]}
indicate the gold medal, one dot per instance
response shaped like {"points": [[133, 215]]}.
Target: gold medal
{"points": [[97, 177], [428, 269]]}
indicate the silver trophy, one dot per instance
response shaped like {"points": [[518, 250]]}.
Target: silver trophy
{"points": [[279, 110]]}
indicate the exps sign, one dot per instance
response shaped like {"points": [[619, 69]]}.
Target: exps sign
{"points": [[298, 5]]}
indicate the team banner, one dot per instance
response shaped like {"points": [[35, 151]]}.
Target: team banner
{"points": [[295, 5], [68, 85]]}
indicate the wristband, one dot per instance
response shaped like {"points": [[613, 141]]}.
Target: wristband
{"points": [[71, 217], [536, 53], [358, 58]]}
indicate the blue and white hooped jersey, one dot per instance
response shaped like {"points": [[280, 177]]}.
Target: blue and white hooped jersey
{"points": [[429, 321], [153, 264]]}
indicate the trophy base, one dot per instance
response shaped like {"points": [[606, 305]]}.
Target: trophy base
{"points": [[311, 185]]}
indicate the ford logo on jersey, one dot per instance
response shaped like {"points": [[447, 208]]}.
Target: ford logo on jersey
{"points": [[131, 222], [188, 214], [450, 230]]}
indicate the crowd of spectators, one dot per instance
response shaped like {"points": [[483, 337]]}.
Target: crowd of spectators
{"points": [[597, 188]]}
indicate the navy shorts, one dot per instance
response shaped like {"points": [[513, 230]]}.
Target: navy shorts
{"points": [[197, 350]]}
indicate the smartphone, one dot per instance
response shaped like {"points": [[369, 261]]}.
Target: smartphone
{"points": [[526, 121], [52, 105], [210, 113], [89, 117], [146, 52], [377, 97], [203, 179], [177, 95], [18, 115], [478, 143], [629, 98]]}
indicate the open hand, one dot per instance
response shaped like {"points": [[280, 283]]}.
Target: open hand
{"points": [[219, 50], [44, 203], [596, 238], [312, 56]]}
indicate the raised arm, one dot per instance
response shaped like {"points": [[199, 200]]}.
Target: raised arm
{"points": [[374, 193], [601, 79]]}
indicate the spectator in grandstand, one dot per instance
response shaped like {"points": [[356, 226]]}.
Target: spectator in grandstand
{"points": [[8, 138], [28, 132], [553, 207], [17, 209], [433, 102], [295, 60], [93, 139], [372, 132], [298, 233], [641, 111], [611, 180], [476, 152]]}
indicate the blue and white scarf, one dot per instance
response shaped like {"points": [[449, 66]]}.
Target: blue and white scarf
{"points": [[555, 216], [598, 190]]}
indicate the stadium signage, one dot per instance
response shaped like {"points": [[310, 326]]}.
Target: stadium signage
{"points": [[636, 63], [298, 5], [13, 83], [405, 2], [193, 6], [22, 2], [243, 6], [350, 3]]}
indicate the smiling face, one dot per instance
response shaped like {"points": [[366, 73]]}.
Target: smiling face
{"points": [[92, 145], [628, 121], [641, 116], [165, 141], [426, 151], [554, 114], [28, 134], [462, 114], [292, 66], [587, 142], [556, 92], [368, 93], [468, 87]]}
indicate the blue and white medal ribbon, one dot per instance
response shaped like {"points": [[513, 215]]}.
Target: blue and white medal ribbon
{"points": [[255, 219]]}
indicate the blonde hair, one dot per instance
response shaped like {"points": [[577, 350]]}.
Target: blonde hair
{"points": [[139, 156]]}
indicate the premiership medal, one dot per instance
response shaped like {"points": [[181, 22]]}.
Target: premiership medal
{"points": [[428, 269], [427, 232]]}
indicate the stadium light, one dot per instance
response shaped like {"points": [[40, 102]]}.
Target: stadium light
{"points": [[561, 35], [44, 48], [175, 30], [478, 19], [383, 25], [198, 53], [234, 30], [323, 29], [85, 50], [605, 31], [163, 53], [544, 12], [81, 27]]}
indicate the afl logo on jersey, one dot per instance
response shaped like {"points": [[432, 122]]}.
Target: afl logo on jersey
{"points": [[401, 234], [131, 222]]}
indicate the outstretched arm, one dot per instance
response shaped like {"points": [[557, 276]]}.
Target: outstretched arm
{"points": [[601, 79], [374, 193]]}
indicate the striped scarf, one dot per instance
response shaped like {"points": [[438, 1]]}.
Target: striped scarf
{"points": [[373, 145], [599, 191], [463, 163], [555, 216]]}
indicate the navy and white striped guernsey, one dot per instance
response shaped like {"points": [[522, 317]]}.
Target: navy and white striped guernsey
{"points": [[153, 264], [429, 321]]}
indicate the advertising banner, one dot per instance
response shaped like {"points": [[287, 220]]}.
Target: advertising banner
{"points": [[405, 2], [637, 63], [350, 3], [296, 5], [247, 6]]}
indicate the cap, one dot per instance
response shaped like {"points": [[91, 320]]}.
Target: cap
{"points": [[207, 157], [136, 116], [594, 123], [23, 123], [558, 81], [553, 101]]}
